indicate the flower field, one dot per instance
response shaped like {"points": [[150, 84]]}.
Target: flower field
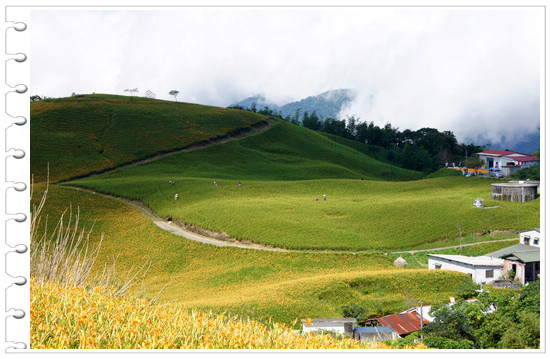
{"points": [[71, 317]]}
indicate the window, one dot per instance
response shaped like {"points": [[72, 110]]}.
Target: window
{"points": [[526, 240], [536, 241], [438, 266], [489, 273]]}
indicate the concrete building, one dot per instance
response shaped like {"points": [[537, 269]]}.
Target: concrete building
{"points": [[482, 269], [521, 191], [509, 159], [337, 325], [374, 334], [530, 238]]}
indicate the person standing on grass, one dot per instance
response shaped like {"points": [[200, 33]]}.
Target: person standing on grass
{"points": [[325, 197], [240, 184], [176, 197], [215, 184]]}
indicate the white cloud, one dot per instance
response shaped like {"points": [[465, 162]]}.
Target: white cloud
{"points": [[469, 70]]}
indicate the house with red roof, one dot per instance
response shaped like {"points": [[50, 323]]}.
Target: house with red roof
{"points": [[508, 161], [403, 323]]}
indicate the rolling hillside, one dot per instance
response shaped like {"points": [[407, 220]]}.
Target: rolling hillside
{"points": [[85, 134], [283, 170]]}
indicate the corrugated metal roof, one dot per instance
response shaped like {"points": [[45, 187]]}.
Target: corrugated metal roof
{"points": [[518, 249], [525, 257], [403, 323]]}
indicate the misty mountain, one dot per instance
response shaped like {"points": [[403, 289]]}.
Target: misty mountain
{"points": [[325, 105], [529, 144], [258, 100]]}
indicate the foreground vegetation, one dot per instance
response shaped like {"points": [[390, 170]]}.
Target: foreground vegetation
{"points": [[500, 319], [68, 317]]}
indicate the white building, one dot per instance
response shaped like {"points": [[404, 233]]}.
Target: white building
{"points": [[500, 159], [482, 269], [530, 238], [338, 325]]}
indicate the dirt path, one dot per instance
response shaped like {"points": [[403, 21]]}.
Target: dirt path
{"points": [[457, 246], [189, 232]]}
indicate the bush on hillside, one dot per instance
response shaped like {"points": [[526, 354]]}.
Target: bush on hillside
{"points": [[532, 173]]}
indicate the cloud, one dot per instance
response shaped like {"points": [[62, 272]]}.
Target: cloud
{"points": [[474, 71]]}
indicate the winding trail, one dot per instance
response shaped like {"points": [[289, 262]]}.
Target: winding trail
{"points": [[183, 230], [221, 240]]}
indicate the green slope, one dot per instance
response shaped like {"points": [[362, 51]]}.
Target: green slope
{"points": [[92, 133], [284, 152], [283, 169]]}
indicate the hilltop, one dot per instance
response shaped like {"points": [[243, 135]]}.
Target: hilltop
{"points": [[92, 133]]}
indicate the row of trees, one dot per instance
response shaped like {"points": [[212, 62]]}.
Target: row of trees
{"points": [[426, 149]]}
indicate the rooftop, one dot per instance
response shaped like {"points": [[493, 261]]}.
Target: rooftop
{"points": [[518, 251], [403, 323], [474, 261], [330, 320], [497, 153]]}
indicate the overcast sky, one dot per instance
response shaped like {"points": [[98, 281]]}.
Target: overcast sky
{"points": [[473, 71]]}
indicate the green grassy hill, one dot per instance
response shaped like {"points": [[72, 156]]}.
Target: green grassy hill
{"points": [[85, 134]]}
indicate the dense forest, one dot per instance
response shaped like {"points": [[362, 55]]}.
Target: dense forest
{"points": [[426, 149]]}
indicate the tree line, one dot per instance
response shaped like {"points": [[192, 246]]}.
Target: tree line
{"points": [[426, 149]]}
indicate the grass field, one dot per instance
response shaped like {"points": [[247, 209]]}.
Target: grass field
{"points": [[280, 179], [91, 133], [283, 286]]}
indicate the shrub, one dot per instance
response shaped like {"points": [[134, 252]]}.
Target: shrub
{"points": [[446, 343]]}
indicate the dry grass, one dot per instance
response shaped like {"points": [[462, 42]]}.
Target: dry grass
{"points": [[65, 255]]}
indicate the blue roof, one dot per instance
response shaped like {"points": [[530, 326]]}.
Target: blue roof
{"points": [[373, 329]]}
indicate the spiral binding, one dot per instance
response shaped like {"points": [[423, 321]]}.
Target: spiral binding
{"points": [[17, 154]]}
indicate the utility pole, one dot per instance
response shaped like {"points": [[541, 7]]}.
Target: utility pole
{"points": [[421, 321]]}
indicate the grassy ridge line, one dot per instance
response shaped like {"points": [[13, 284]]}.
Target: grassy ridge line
{"points": [[91, 133], [237, 133]]}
